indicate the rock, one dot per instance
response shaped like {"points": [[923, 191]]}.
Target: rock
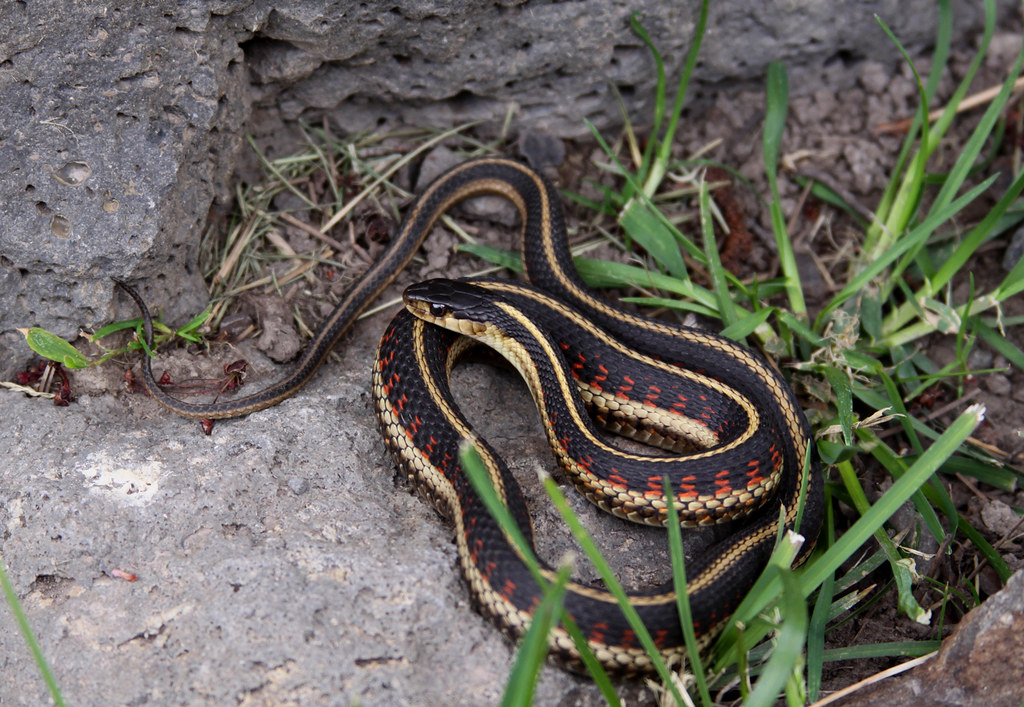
{"points": [[281, 560], [120, 126], [976, 667], [540, 149]]}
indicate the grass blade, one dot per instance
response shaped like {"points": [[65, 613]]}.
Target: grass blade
{"points": [[719, 282], [522, 680], [675, 544], [481, 481], [26, 631], [898, 493], [611, 583], [777, 95], [789, 642]]}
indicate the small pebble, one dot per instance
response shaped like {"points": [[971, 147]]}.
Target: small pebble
{"points": [[874, 77], [998, 384], [1014, 251], [298, 485], [978, 359], [541, 149]]}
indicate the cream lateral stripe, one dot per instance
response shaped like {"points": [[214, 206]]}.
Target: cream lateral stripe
{"points": [[467, 434], [584, 427], [729, 348], [492, 470], [613, 343]]}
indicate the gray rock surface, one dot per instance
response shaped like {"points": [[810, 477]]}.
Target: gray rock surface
{"points": [[121, 125], [278, 561]]}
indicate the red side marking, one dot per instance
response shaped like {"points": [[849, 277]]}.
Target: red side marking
{"points": [[400, 404], [617, 480], [597, 632], [508, 590], [723, 472], [604, 373], [628, 638]]}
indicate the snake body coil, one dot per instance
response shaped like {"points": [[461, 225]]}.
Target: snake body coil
{"points": [[677, 387], [745, 437]]}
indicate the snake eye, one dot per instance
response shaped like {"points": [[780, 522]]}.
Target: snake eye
{"points": [[438, 310]]}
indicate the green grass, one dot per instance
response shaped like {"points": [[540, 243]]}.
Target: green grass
{"points": [[897, 291], [42, 666]]}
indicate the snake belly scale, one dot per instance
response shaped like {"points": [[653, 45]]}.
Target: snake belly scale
{"points": [[743, 436]]}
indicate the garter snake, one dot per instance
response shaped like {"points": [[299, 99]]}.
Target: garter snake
{"points": [[727, 403], [558, 351]]}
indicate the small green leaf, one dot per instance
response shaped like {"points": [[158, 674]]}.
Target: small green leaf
{"points": [[844, 399], [833, 452], [115, 327], [871, 315], [51, 346], [505, 258], [741, 328], [644, 228], [188, 331]]}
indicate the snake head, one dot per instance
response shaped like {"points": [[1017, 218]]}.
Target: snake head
{"points": [[454, 305]]}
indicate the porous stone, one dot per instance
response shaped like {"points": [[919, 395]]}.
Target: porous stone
{"points": [[118, 128], [974, 667], [121, 125], [281, 560]]}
